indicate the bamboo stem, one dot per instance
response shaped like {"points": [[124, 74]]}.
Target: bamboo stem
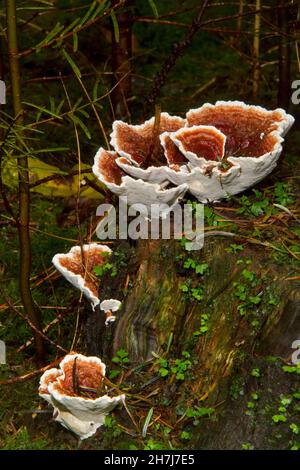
{"points": [[24, 194]]}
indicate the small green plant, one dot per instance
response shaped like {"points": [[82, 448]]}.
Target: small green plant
{"points": [[255, 396], [180, 366], [295, 446], [111, 424], [295, 428], [248, 275], [188, 287], [272, 298], [22, 441], [234, 248], [282, 194], [243, 292], [261, 203], [151, 444], [199, 268], [203, 325], [247, 446], [213, 220], [256, 207], [286, 401], [104, 268], [293, 369], [163, 367], [279, 418], [121, 359], [196, 293], [197, 413], [256, 372], [177, 367], [237, 387], [185, 436]]}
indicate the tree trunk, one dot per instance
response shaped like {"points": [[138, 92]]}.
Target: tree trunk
{"points": [[156, 308], [158, 317], [30, 307]]}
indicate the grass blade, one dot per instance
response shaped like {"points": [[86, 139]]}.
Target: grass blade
{"points": [[147, 422]]}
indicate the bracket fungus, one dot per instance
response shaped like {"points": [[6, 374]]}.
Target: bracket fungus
{"points": [[110, 306], [77, 267], [142, 190], [217, 151], [77, 393]]}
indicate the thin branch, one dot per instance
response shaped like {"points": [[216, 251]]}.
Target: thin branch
{"points": [[177, 50], [30, 375], [56, 176], [30, 323], [70, 33]]}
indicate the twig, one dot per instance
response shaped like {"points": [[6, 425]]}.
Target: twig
{"points": [[70, 33], [47, 328], [55, 176], [31, 324], [177, 50], [30, 375]]}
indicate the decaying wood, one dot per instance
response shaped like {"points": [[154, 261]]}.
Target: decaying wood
{"points": [[156, 307]]}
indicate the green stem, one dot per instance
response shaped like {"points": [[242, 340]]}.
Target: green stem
{"points": [[24, 194]]}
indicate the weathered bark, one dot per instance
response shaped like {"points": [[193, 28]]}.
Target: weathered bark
{"points": [[98, 336], [156, 307]]}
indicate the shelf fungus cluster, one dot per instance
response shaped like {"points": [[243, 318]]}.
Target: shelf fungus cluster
{"points": [[216, 151], [77, 392], [77, 266]]}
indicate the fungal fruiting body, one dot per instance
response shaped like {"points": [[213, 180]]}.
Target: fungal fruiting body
{"points": [[217, 151], [144, 190], [253, 145], [78, 265], [77, 393], [110, 306]]}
